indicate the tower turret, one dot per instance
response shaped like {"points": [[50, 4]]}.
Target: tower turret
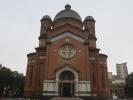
{"points": [[89, 24], [89, 27], [92, 41], [46, 24]]}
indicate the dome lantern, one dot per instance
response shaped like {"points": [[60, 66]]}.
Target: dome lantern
{"points": [[67, 7]]}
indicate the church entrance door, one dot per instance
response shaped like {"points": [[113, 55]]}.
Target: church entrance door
{"points": [[66, 84]]}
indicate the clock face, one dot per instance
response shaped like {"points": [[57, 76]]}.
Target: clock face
{"points": [[67, 51]]}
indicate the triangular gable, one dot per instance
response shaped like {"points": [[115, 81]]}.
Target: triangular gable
{"points": [[66, 66], [70, 34]]}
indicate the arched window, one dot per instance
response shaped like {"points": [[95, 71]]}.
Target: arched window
{"points": [[66, 75]]}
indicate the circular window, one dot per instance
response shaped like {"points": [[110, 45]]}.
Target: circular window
{"points": [[67, 51]]}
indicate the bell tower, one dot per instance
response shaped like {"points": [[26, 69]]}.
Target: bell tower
{"points": [[89, 24], [46, 25], [89, 28]]}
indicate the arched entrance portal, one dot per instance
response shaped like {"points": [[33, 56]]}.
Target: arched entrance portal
{"points": [[66, 84]]}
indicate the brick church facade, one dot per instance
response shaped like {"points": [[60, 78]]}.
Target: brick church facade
{"points": [[67, 62]]}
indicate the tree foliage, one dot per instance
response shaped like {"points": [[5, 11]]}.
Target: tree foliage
{"points": [[11, 83], [129, 85]]}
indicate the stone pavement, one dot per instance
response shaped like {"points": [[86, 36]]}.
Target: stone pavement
{"points": [[59, 98], [13, 99]]}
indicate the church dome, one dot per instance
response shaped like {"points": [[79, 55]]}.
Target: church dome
{"points": [[89, 18], [68, 13], [46, 17]]}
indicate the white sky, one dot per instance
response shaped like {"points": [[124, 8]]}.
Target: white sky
{"points": [[20, 28]]}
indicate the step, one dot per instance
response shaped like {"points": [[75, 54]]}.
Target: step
{"points": [[65, 98]]}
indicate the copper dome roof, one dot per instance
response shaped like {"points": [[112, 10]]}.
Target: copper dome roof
{"points": [[68, 13]]}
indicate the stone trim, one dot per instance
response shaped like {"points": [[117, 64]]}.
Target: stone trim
{"points": [[64, 34]]}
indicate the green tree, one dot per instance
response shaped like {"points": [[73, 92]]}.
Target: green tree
{"points": [[129, 85], [5, 80], [11, 83], [18, 84]]}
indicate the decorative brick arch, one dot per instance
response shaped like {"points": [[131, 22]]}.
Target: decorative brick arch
{"points": [[75, 73]]}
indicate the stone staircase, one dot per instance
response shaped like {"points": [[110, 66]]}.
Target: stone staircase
{"points": [[65, 98]]}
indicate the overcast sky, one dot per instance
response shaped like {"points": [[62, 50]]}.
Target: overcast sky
{"points": [[20, 28]]}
